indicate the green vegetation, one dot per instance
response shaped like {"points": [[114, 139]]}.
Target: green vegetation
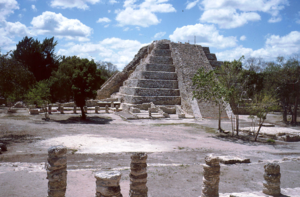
{"points": [[35, 74]]}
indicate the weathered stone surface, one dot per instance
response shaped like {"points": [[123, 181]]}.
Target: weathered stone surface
{"points": [[149, 91], [138, 175], [157, 75], [172, 84], [233, 160], [134, 110], [211, 177], [33, 111], [57, 171], [108, 183], [158, 100], [271, 185], [159, 67]]}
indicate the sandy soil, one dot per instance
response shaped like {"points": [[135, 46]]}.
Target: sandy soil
{"points": [[176, 149]]}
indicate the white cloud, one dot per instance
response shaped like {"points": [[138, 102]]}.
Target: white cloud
{"points": [[115, 50], [33, 8], [108, 11], [143, 14], [206, 35], [274, 46], [228, 18], [226, 13], [192, 4], [50, 23], [243, 37], [9, 30], [126, 29], [80, 4], [159, 35], [103, 20], [7, 7], [105, 26]]}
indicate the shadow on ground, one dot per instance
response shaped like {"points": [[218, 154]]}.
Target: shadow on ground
{"points": [[88, 120]]}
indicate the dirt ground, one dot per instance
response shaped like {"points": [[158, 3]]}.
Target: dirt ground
{"points": [[176, 150]]}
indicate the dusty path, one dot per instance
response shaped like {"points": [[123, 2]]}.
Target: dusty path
{"points": [[176, 149]]}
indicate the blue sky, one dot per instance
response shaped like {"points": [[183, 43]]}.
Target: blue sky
{"points": [[114, 30]]}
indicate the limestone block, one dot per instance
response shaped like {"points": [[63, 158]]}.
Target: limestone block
{"points": [[106, 109], [134, 110], [74, 110], [138, 175], [56, 168], [112, 104], [97, 108], [211, 177], [85, 109], [62, 110], [271, 185], [233, 160], [181, 115], [33, 111], [108, 183], [49, 109]]}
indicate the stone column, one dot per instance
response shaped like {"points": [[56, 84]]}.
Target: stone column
{"points": [[108, 184], [117, 108], [271, 185], [211, 177], [74, 110], [106, 108], [49, 109], [97, 109], [85, 109], [57, 171], [58, 108], [112, 104], [149, 110], [138, 175], [62, 109]]}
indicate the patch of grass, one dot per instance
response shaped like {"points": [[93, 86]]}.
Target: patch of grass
{"points": [[73, 151], [180, 148], [194, 125], [271, 141]]}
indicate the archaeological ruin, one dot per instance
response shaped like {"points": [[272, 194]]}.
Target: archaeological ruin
{"points": [[159, 78]]}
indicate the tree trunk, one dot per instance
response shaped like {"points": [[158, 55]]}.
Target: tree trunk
{"points": [[83, 116], [237, 123], [284, 115], [219, 124], [259, 130], [294, 121]]}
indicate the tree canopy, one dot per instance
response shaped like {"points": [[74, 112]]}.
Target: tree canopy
{"points": [[39, 58]]}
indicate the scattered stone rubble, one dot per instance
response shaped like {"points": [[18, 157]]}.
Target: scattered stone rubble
{"points": [[211, 177], [57, 171], [108, 184], [271, 185], [233, 160]]}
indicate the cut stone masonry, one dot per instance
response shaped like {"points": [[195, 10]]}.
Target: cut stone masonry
{"points": [[162, 73]]}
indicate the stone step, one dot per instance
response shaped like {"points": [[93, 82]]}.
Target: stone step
{"points": [[144, 83], [157, 75], [149, 91], [161, 52], [157, 100], [162, 46], [160, 60], [211, 56], [206, 50], [159, 67], [215, 63]]}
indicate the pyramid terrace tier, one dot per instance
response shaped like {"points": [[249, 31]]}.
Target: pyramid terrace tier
{"points": [[172, 84], [157, 100], [159, 67], [161, 52], [160, 60], [157, 75], [149, 91]]}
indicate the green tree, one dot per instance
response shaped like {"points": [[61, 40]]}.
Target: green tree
{"points": [[86, 79], [38, 58], [15, 79], [221, 86], [107, 69], [39, 94]]}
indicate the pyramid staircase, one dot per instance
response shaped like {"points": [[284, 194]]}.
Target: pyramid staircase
{"points": [[154, 80]]}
